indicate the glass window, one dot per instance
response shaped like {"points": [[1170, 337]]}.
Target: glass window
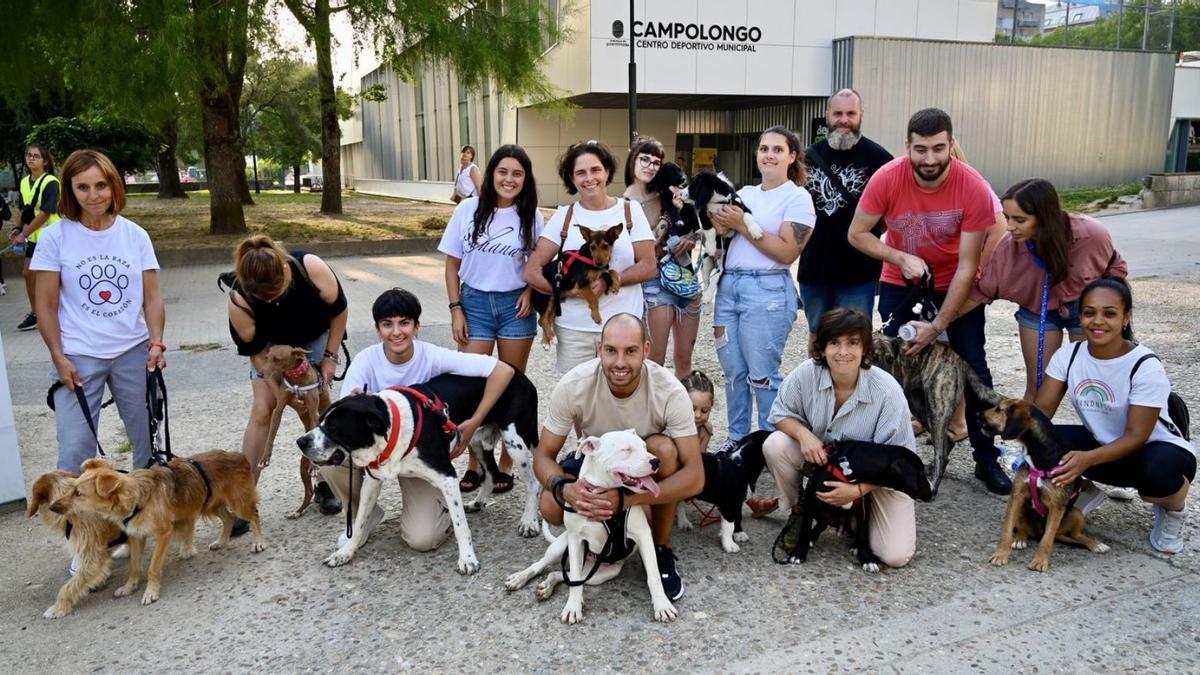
{"points": [[419, 104]]}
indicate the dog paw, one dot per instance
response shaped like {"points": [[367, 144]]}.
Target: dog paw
{"points": [[125, 590], [1020, 544], [1101, 547], [741, 536], [529, 528], [295, 514], [665, 613], [468, 565], [730, 547], [339, 557], [516, 581], [871, 568], [544, 590], [474, 507], [150, 596], [572, 614], [756, 232], [216, 545], [258, 547], [187, 553], [56, 611], [1000, 558], [684, 524], [1039, 565]]}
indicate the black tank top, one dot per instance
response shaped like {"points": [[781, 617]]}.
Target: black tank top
{"points": [[296, 318]]}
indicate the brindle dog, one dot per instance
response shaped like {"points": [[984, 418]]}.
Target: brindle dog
{"points": [[1025, 422], [933, 381], [577, 270]]}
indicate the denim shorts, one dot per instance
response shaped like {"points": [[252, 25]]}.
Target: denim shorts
{"points": [[1054, 320], [492, 315], [656, 296], [316, 352]]}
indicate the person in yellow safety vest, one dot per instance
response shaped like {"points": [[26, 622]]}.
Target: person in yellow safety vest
{"points": [[38, 208]]}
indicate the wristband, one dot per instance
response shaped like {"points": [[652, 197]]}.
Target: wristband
{"points": [[455, 305], [556, 488], [332, 356], [160, 345]]}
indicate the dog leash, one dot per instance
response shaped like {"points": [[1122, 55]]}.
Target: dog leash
{"points": [[1041, 352], [604, 550], [156, 406]]}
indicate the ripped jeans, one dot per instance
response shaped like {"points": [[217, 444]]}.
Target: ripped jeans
{"points": [[756, 308]]}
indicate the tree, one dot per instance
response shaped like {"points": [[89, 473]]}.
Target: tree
{"points": [[481, 40], [280, 114], [130, 146], [1103, 33]]}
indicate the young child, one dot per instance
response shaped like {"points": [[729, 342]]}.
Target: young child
{"points": [[700, 389]]}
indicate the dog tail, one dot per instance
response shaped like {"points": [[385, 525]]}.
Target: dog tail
{"points": [[550, 538], [981, 390]]}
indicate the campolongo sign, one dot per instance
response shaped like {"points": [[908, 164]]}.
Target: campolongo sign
{"points": [[678, 35]]}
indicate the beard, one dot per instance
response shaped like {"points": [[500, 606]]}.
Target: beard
{"points": [[930, 174], [841, 138]]}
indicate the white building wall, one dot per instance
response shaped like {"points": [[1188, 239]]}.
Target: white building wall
{"points": [[1185, 101]]}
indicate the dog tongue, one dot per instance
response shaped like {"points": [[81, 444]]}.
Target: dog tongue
{"points": [[645, 484]]}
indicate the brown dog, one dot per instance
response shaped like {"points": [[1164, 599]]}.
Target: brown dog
{"points": [[165, 501], [295, 377], [576, 270], [89, 538], [1023, 421]]}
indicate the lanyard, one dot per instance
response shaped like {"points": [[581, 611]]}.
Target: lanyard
{"points": [[1041, 349]]}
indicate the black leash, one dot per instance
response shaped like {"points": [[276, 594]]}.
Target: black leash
{"points": [[919, 300], [156, 406], [600, 555], [87, 412]]}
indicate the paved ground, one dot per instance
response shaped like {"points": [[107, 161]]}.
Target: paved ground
{"points": [[392, 609]]}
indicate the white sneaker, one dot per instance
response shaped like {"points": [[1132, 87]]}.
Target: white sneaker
{"points": [[1121, 494], [1167, 534], [74, 569], [3, 288], [121, 552], [372, 522]]}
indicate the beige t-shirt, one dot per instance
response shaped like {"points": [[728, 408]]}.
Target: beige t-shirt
{"points": [[660, 405]]}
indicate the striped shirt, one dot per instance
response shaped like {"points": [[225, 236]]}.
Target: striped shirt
{"points": [[877, 411]]}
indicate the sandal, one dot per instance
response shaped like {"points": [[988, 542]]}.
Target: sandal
{"points": [[471, 481], [956, 435], [504, 483], [761, 506]]}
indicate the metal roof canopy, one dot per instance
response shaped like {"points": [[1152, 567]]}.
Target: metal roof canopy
{"points": [[683, 101]]}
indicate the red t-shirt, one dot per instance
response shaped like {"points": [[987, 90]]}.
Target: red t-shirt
{"points": [[928, 223]]}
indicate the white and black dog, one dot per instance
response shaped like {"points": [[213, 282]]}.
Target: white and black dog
{"points": [[708, 192], [617, 459], [398, 433], [729, 479]]}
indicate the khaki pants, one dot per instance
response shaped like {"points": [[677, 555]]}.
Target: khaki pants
{"points": [[575, 347], [893, 533], [424, 522]]}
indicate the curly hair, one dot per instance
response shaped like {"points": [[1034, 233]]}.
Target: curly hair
{"points": [[839, 322]]}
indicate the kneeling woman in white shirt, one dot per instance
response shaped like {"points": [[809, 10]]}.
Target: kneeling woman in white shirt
{"points": [[1120, 389], [99, 308]]}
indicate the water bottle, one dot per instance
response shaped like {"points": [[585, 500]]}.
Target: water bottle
{"points": [[19, 249], [907, 332], [1011, 458]]}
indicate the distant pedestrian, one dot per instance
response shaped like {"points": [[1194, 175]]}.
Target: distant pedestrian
{"points": [[38, 207], [468, 181]]}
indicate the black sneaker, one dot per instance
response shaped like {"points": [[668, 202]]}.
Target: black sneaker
{"points": [[993, 477], [240, 527], [29, 323], [672, 584], [327, 502]]}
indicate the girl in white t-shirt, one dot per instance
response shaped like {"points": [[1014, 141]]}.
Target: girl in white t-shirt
{"points": [[587, 169], [756, 299], [1119, 390], [487, 243], [467, 181], [100, 309]]}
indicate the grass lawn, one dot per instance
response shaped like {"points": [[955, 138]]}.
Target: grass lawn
{"points": [[1092, 199], [289, 218]]}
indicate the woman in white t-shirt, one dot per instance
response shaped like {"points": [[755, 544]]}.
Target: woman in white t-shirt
{"points": [[100, 309], [487, 243], [467, 181], [1119, 389], [587, 169], [756, 300]]}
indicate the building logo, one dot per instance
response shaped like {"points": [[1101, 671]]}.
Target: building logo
{"points": [[618, 29]]}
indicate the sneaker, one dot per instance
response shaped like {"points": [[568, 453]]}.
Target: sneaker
{"points": [[240, 527], [1121, 494], [74, 569], [327, 502], [672, 584], [29, 323], [727, 446], [1167, 534], [372, 522]]}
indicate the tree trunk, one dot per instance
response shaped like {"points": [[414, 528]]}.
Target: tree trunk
{"points": [[169, 186], [243, 181], [296, 178], [331, 134]]}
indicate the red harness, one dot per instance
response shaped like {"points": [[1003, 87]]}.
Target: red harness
{"points": [[423, 403], [836, 471], [1035, 474], [572, 256]]}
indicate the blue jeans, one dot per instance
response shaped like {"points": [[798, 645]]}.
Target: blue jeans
{"points": [[757, 309], [968, 339], [820, 299]]}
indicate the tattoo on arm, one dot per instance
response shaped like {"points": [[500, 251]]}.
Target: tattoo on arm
{"points": [[800, 232]]}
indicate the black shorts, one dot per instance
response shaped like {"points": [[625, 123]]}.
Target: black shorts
{"points": [[29, 246], [1158, 470], [571, 464]]}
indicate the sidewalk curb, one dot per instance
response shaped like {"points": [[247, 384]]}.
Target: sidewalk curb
{"points": [[214, 255]]}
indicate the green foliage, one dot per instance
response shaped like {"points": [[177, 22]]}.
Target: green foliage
{"points": [[129, 145], [1090, 199], [280, 110], [1103, 33]]}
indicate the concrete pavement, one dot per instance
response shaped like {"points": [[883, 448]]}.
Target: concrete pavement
{"points": [[395, 610]]}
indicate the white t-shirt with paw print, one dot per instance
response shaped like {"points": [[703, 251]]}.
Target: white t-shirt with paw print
{"points": [[100, 284]]}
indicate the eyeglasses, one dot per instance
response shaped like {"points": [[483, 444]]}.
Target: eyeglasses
{"points": [[583, 143], [32, 156], [649, 162]]}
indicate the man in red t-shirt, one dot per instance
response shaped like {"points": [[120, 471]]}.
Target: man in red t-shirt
{"points": [[937, 211]]}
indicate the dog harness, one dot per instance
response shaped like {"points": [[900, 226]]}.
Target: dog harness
{"points": [[575, 256], [838, 472], [617, 546], [423, 403], [1035, 475], [297, 372]]}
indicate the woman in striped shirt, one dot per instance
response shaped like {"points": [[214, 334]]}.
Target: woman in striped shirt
{"points": [[838, 395]]}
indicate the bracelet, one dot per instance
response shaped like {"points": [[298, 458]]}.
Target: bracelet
{"points": [[332, 356], [455, 305], [160, 345], [556, 488]]}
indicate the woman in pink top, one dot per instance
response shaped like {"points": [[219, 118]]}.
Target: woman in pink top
{"points": [[1071, 248]]}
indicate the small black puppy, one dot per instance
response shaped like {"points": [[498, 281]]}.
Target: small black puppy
{"points": [[729, 478], [708, 192], [681, 221], [889, 466]]}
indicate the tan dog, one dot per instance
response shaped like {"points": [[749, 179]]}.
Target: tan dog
{"points": [[164, 501], [1015, 419], [289, 368], [89, 538]]}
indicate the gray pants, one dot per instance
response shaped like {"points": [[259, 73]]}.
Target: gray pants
{"points": [[125, 376]]}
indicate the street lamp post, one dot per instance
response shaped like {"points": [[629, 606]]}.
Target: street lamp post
{"points": [[633, 133]]}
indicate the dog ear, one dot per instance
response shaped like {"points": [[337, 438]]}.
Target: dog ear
{"points": [[613, 233], [96, 463], [107, 484], [1017, 422], [586, 232], [377, 418], [300, 352], [587, 446], [40, 494]]}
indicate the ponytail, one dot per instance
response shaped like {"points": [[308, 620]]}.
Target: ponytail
{"points": [[1121, 288]]}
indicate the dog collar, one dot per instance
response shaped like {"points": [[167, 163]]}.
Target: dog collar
{"points": [[132, 514], [423, 403], [298, 389], [837, 471], [298, 370]]}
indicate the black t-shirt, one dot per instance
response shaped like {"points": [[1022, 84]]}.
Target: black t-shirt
{"points": [[828, 258]]}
